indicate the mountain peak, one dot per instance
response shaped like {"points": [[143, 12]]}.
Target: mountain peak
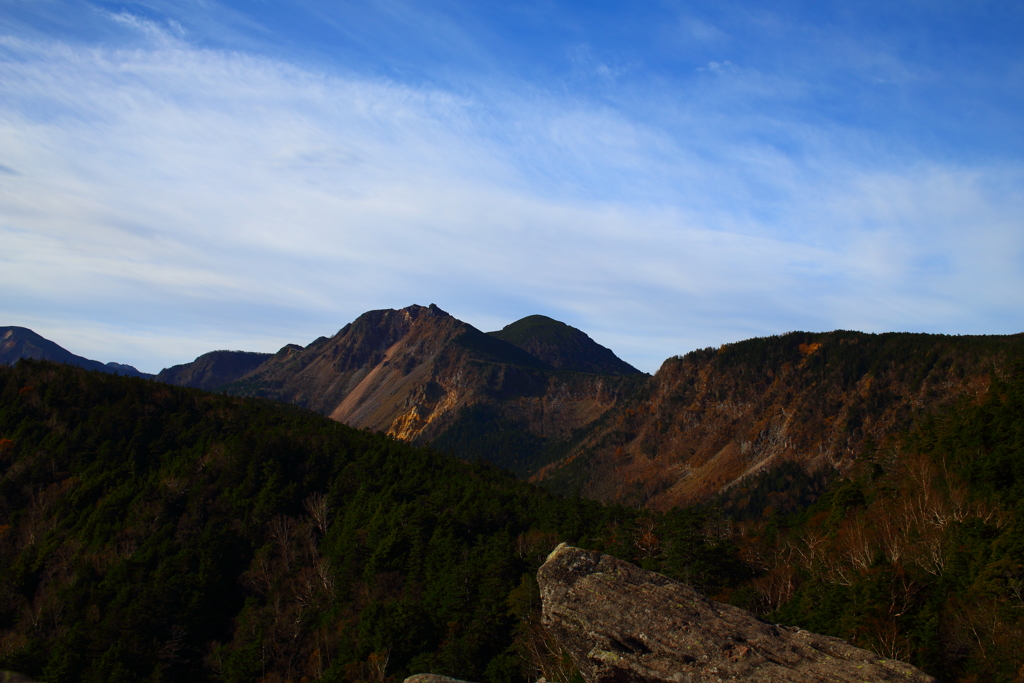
{"points": [[416, 311], [20, 342], [211, 370], [562, 346]]}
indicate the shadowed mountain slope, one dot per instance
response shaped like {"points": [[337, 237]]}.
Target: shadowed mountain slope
{"points": [[562, 346], [212, 370], [20, 342]]}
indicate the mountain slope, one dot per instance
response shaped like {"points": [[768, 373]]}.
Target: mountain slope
{"points": [[421, 375], [151, 532], [917, 551], [383, 367], [563, 347], [212, 370], [20, 342], [708, 419], [528, 399]]}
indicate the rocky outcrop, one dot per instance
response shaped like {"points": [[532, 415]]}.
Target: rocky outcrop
{"points": [[432, 678], [622, 624], [11, 677]]}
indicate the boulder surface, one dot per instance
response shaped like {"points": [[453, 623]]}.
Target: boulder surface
{"points": [[432, 678], [622, 624], [11, 677]]}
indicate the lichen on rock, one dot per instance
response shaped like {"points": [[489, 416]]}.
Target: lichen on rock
{"points": [[622, 624]]}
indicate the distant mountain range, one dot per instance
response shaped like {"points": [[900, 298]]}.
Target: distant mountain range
{"points": [[20, 342], [545, 401]]}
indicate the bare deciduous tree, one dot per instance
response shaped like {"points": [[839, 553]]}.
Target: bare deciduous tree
{"points": [[319, 510]]}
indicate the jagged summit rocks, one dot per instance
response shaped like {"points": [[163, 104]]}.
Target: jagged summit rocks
{"points": [[622, 624]]}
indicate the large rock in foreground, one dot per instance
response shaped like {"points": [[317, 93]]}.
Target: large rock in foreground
{"points": [[622, 624], [432, 678], [11, 677]]}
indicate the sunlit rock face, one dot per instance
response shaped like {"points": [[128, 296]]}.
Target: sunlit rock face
{"points": [[708, 420], [542, 399], [418, 374], [622, 624]]}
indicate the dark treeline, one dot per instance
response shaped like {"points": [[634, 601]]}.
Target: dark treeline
{"points": [[151, 533]]}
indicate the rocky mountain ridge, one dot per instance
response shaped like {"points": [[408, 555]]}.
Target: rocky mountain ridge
{"points": [[711, 418], [417, 373], [517, 396], [543, 400]]}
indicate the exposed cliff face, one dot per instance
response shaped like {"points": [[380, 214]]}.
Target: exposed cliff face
{"points": [[213, 370], [712, 417], [621, 624], [413, 373], [532, 398]]}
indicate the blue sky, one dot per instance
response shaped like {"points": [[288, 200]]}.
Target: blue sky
{"points": [[181, 177]]}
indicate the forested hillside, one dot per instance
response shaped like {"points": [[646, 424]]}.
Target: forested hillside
{"points": [[918, 553], [713, 417], [150, 532], [563, 347]]}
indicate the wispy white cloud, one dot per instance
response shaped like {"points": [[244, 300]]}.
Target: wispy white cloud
{"points": [[700, 30], [168, 192]]}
